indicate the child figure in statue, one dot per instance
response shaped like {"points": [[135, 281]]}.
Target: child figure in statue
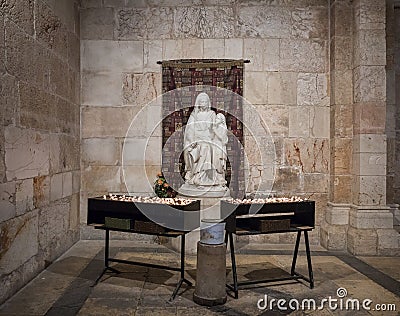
{"points": [[219, 154]]}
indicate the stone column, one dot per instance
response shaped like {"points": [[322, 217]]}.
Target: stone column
{"points": [[392, 107], [396, 148], [336, 219], [210, 275], [209, 209], [390, 99], [371, 223]]}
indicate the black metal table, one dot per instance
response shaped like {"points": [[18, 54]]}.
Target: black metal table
{"points": [[300, 218], [136, 217], [294, 275], [173, 234]]}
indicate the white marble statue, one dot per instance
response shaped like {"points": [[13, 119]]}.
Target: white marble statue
{"points": [[204, 151]]}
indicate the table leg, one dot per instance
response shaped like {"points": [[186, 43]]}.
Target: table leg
{"points": [[310, 272], [106, 258], [296, 251], [233, 259], [182, 270]]}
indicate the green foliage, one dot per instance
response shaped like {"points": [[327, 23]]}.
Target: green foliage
{"points": [[162, 188]]}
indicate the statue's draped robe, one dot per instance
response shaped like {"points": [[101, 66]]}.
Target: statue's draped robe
{"points": [[198, 148]]}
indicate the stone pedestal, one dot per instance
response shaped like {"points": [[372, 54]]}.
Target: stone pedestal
{"points": [[371, 231], [211, 275], [209, 208], [394, 208], [361, 230], [334, 226], [207, 191]]}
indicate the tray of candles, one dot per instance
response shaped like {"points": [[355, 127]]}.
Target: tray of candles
{"points": [[267, 215], [144, 214]]}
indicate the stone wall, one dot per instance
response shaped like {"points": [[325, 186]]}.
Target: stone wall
{"points": [[395, 150], [370, 220], [39, 138], [287, 81], [335, 223], [359, 217], [393, 106]]}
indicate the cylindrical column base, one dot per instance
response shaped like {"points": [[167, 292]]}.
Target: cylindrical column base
{"points": [[211, 275]]}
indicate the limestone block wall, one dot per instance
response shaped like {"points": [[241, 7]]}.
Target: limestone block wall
{"points": [[39, 137], [370, 220], [334, 225], [393, 101], [359, 217], [287, 81], [396, 97]]}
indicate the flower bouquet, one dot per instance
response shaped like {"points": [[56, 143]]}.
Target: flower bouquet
{"points": [[162, 188]]}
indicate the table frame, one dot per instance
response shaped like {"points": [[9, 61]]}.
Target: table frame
{"points": [[294, 275], [108, 259]]}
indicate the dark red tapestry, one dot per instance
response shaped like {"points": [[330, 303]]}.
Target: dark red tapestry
{"points": [[202, 75]]}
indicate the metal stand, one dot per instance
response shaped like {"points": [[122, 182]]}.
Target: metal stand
{"points": [[293, 274], [107, 260]]}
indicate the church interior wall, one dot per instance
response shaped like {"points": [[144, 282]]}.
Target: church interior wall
{"points": [[74, 74], [39, 138], [393, 101], [286, 81]]}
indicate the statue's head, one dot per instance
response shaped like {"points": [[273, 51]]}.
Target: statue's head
{"points": [[220, 118], [203, 101]]}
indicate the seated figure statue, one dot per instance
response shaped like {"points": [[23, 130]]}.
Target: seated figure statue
{"points": [[204, 151]]}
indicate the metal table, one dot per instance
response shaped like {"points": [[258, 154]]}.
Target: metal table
{"points": [[299, 218], [108, 259]]}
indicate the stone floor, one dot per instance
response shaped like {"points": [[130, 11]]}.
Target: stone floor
{"points": [[67, 286]]}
